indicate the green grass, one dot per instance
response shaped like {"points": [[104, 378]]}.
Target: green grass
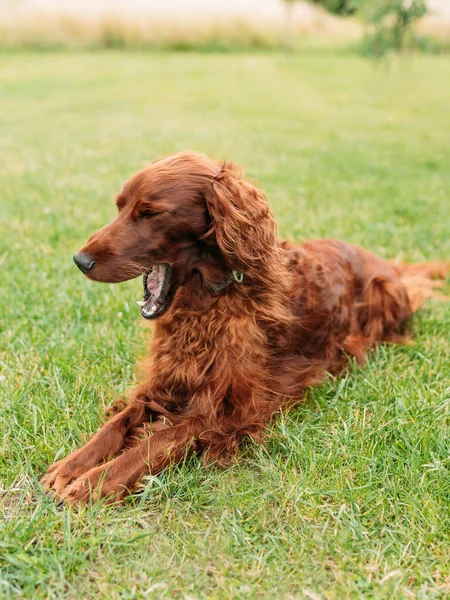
{"points": [[350, 497]]}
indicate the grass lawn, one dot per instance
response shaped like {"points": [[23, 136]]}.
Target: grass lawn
{"points": [[350, 497]]}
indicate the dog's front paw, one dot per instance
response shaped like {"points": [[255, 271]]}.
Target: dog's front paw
{"points": [[63, 472], [93, 486]]}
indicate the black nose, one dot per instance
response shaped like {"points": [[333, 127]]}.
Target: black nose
{"points": [[84, 262]]}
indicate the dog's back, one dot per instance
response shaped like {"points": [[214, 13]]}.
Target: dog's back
{"points": [[349, 299]]}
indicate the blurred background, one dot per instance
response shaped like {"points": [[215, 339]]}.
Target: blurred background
{"points": [[224, 24]]}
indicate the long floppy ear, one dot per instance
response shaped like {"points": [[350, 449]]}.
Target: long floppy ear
{"points": [[241, 222]]}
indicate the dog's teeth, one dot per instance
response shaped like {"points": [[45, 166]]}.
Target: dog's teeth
{"points": [[150, 312], [140, 303]]}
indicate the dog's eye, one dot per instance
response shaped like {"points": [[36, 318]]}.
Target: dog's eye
{"points": [[145, 214]]}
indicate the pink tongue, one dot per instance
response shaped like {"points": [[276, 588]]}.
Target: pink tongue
{"points": [[153, 282]]}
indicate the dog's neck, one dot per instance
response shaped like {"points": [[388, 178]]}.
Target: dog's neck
{"points": [[215, 275], [232, 276]]}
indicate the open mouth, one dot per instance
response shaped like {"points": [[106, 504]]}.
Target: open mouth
{"points": [[157, 291]]}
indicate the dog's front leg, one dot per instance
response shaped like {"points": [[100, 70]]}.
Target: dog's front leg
{"points": [[118, 477], [104, 445]]}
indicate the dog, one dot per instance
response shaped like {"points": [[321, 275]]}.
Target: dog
{"points": [[244, 322]]}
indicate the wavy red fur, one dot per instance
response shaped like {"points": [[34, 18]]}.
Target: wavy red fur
{"points": [[223, 360]]}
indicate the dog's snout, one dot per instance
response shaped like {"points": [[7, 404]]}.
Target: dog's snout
{"points": [[84, 262]]}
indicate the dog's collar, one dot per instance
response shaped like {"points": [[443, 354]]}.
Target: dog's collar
{"points": [[233, 276]]}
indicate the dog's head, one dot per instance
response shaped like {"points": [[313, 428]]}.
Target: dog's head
{"points": [[181, 217]]}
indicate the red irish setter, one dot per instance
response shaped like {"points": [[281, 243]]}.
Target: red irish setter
{"points": [[244, 322]]}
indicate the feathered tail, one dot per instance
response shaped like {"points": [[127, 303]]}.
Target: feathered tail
{"points": [[423, 280]]}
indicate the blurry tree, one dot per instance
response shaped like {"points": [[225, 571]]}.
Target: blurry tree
{"points": [[392, 24]]}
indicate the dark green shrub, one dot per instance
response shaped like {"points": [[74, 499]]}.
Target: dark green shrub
{"points": [[339, 7]]}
